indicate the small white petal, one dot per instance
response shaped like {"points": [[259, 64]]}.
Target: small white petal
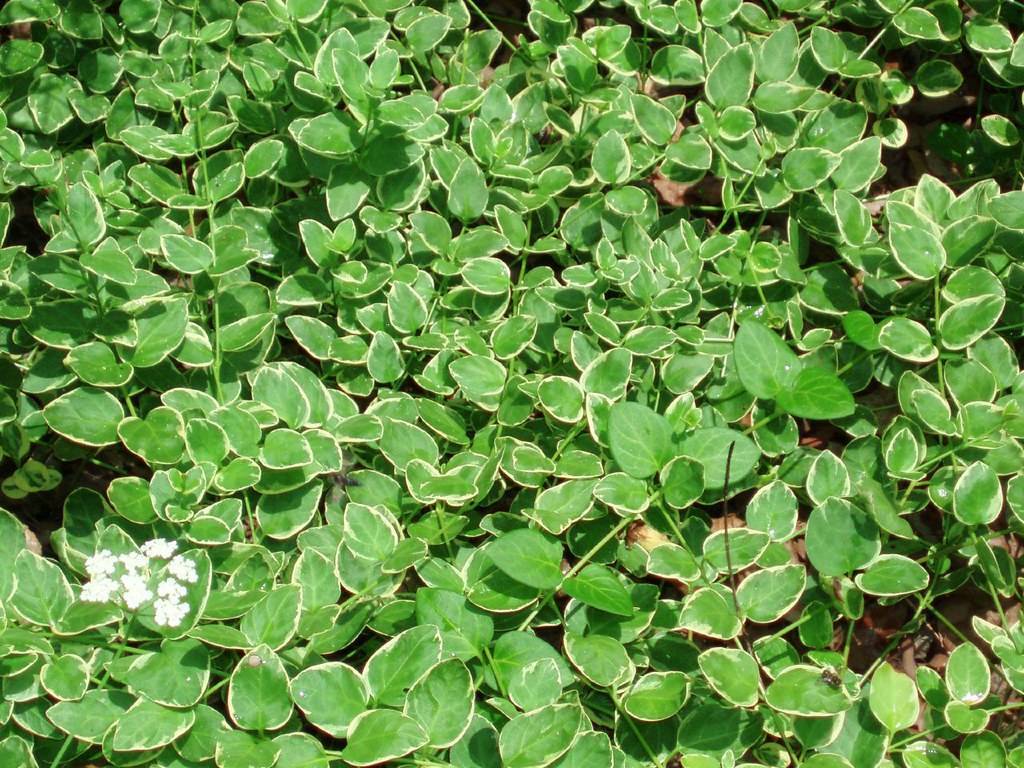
{"points": [[160, 548], [171, 589], [134, 561], [169, 613], [99, 590], [136, 592], [183, 568], [102, 563]]}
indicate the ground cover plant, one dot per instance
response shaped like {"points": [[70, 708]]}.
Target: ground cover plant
{"points": [[477, 384]]}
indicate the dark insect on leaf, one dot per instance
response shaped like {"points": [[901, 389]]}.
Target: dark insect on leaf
{"points": [[340, 482], [831, 677], [344, 481]]}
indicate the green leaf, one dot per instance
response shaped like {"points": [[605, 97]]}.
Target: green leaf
{"points": [[710, 447], [817, 394], [731, 78], [1008, 210], [42, 595], [602, 660], [977, 495], [893, 699], [657, 696], [907, 339], [768, 594], [161, 329], [186, 254], [85, 415], [65, 677], [158, 438], [480, 378], [967, 674], [93, 715], [773, 509], [174, 676], [442, 703], [677, 65], [892, 575], [710, 611], [535, 739], [380, 735], [610, 159], [274, 619], [805, 168], [731, 673], [802, 690], [330, 695], [85, 216], [597, 586], [640, 439], [384, 360], [334, 134], [467, 192], [148, 725], [400, 662], [765, 363], [841, 538], [917, 250], [258, 692], [529, 557]]}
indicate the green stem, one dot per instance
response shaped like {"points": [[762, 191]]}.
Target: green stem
{"points": [[441, 519], [921, 608], [128, 400], [991, 590], [924, 734], [760, 423], [948, 624], [791, 626], [576, 569], [197, 121], [68, 741], [216, 686], [489, 657], [486, 20], [636, 731], [938, 313]]}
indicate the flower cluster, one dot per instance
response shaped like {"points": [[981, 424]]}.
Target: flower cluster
{"points": [[127, 579]]}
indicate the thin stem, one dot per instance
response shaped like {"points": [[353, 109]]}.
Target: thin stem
{"points": [[948, 624], [991, 589], [883, 30], [576, 569], [938, 313], [197, 121], [922, 606], [486, 20], [725, 534], [127, 400], [216, 687], [758, 424], [494, 670], [790, 627], [439, 512], [651, 755]]}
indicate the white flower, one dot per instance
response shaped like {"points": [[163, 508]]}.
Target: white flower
{"points": [[134, 562], [99, 590], [161, 548], [103, 563], [183, 568], [125, 580], [170, 589], [135, 591], [169, 613]]}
